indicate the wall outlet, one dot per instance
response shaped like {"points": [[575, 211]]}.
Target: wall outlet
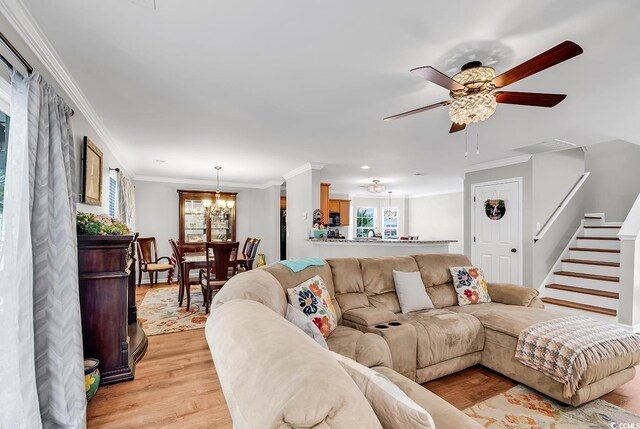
{"points": [[304, 216]]}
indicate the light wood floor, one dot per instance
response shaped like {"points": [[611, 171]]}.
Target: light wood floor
{"points": [[176, 386]]}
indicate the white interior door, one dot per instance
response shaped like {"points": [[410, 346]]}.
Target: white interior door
{"points": [[496, 245]]}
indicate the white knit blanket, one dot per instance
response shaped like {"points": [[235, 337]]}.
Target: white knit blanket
{"points": [[564, 348]]}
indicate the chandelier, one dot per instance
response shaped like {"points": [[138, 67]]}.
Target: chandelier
{"points": [[376, 187], [221, 206], [475, 103]]}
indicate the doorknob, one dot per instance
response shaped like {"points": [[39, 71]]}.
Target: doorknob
{"points": [[513, 250]]}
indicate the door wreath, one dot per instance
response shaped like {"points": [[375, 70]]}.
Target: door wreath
{"points": [[495, 208]]}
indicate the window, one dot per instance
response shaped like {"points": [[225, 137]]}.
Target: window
{"points": [[4, 140], [390, 222], [113, 187], [365, 221]]}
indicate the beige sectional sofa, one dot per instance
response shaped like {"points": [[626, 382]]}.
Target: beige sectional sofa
{"points": [[407, 348]]}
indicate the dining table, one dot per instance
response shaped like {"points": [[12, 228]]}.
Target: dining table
{"points": [[196, 261]]}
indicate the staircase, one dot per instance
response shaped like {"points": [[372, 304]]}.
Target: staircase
{"points": [[586, 279]]}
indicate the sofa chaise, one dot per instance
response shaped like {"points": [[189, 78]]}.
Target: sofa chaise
{"points": [[407, 348]]}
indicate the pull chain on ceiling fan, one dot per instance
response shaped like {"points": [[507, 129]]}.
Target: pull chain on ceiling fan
{"points": [[473, 90]]}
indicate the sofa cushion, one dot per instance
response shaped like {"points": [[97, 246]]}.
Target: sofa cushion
{"points": [[313, 299], [436, 277], [349, 286], [392, 406], [289, 279], [267, 386], [444, 335], [509, 319], [377, 275], [367, 349], [411, 293]]}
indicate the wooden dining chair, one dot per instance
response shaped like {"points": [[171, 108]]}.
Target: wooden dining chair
{"points": [[149, 262], [253, 253], [221, 266]]}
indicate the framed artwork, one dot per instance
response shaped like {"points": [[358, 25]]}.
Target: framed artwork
{"points": [[91, 173]]}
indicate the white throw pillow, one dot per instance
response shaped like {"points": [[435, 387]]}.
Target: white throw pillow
{"points": [[411, 291], [392, 406], [298, 318]]}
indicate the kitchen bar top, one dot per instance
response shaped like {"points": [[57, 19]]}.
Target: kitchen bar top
{"points": [[383, 242]]}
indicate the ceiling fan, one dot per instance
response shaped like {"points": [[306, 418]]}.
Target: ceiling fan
{"points": [[473, 90]]}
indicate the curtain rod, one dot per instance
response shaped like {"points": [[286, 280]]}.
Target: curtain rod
{"points": [[18, 56]]}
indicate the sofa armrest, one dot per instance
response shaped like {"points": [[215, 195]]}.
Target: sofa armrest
{"points": [[369, 316], [511, 294], [536, 303]]}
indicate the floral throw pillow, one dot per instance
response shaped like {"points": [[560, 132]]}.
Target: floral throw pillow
{"points": [[313, 299], [469, 285]]}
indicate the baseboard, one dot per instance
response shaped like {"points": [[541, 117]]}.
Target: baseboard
{"points": [[631, 328]]}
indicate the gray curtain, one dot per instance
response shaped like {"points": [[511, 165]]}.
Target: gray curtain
{"points": [[41, 358], [126, 201]]}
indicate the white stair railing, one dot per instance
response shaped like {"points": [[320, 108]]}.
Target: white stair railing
{"points": [[629, 302], [556, 214]]}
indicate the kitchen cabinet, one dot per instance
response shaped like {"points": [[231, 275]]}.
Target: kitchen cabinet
{"points": [[283, 203], [343, 207], [345, 212], [324, 202], [198, 224]]}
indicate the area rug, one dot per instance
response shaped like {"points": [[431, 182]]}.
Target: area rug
{"points": [[521, 407], [159, 312]]}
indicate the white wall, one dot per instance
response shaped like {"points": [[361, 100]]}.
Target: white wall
{"points": [[81, 126], [614, 183], [257, 215], [438, 217], [303, 197]]}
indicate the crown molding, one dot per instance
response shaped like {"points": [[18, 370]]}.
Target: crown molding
{"points": [[436, 193], [304, 167], [27, 28], [208, 183], [498, 163]]}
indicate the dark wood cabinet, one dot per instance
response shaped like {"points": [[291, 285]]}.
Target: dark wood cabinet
{"points": [[199, 224], [111, 331]]}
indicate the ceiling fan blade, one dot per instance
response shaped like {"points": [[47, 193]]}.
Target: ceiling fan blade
{"points": [[414, 111], [456, 127], [553, 56], [439, 78], [529, 98]]}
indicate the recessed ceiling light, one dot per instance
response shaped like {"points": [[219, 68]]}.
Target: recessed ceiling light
{"points": [[365, 167]]}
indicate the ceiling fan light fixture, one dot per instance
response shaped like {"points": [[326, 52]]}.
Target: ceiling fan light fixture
{"points": [[376, 187], [475, 77], [472, 108]]}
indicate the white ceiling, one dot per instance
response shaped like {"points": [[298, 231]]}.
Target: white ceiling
{"points": [[263, 87]]}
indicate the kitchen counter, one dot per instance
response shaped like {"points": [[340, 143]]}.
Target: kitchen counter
{"points": [[340, 248], [386, 242]]}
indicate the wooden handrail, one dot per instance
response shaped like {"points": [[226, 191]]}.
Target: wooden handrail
{"points": [[565, 202]]}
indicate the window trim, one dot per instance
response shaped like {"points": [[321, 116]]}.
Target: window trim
{"points": [[396, 228], [375, 220]]}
